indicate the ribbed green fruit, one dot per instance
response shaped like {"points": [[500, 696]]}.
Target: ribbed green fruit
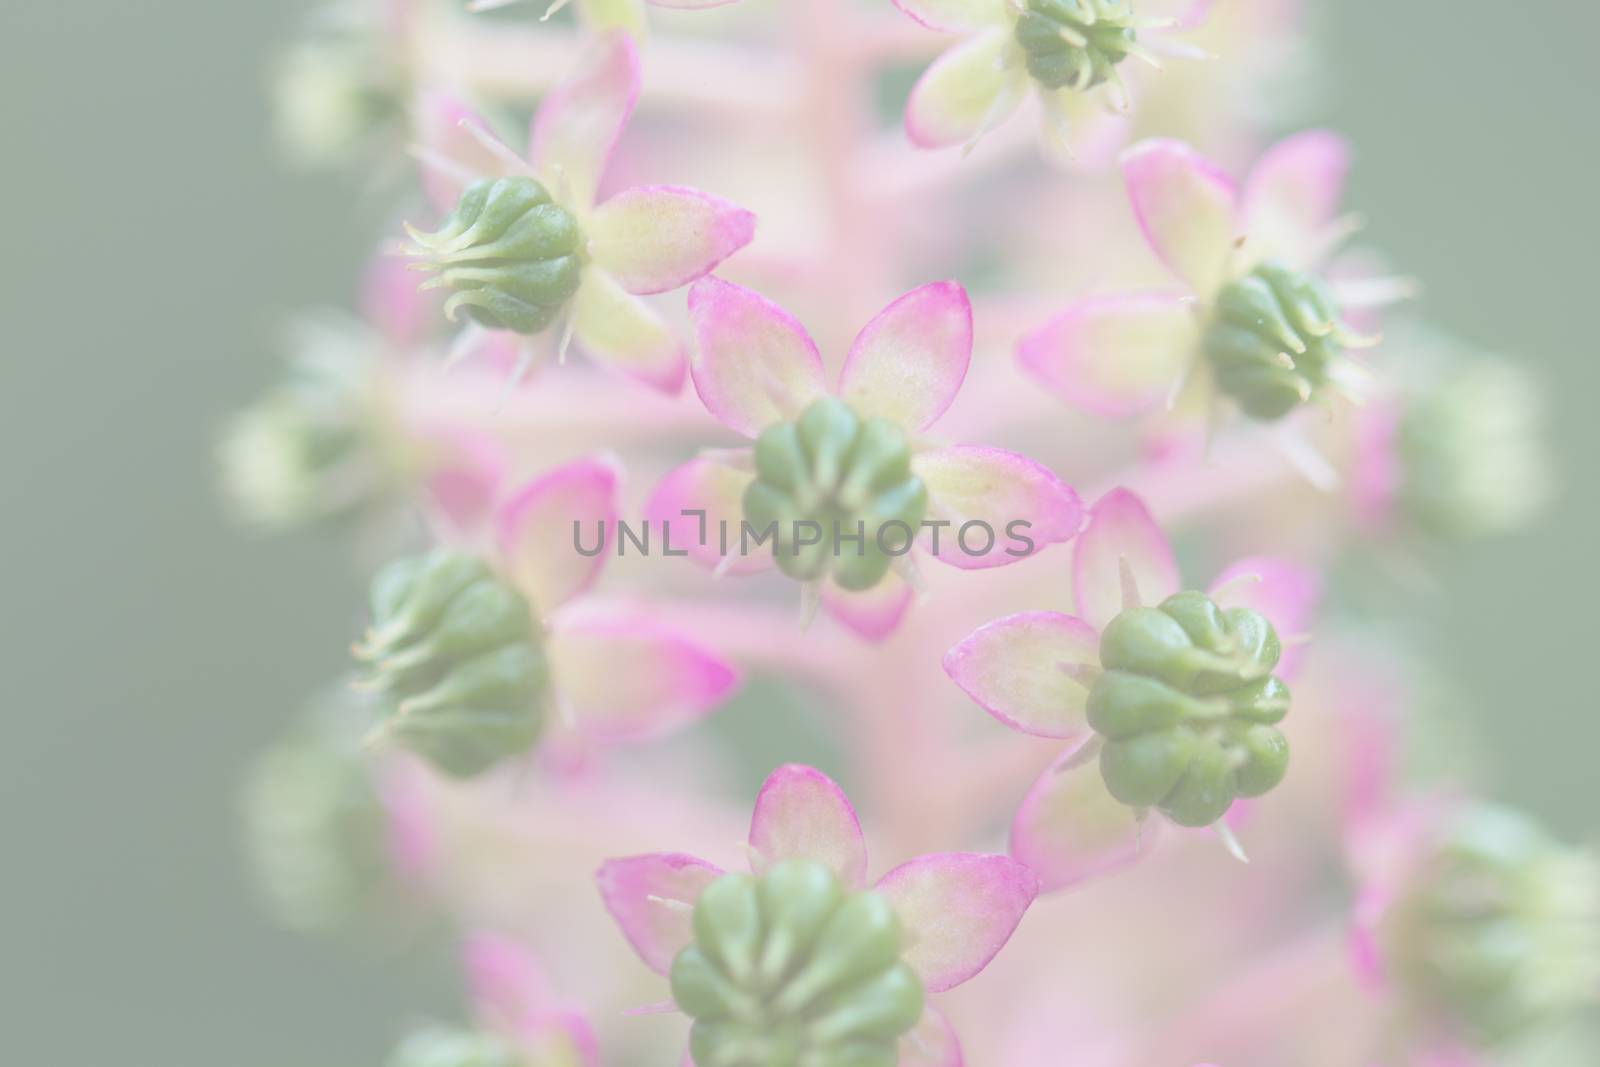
{"points": [[793, 969], [849, 476], [456, 653], [1186, 705], [509, 252], [1074, 42]]}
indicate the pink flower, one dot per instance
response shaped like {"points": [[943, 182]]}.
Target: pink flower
{"points": [[1254, 318], [957, 909], [644, 240], [1034, 673], [512, 997], [757, 369]]}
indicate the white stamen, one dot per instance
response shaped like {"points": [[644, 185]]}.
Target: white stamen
{"points": [[1230, 842]]}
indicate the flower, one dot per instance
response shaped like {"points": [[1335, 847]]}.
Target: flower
{"points": [[470, 650], [1065, 48], [800, 957], [1256, 322], [526, 246], [512, 997], [848, 465], [1177, 700]]}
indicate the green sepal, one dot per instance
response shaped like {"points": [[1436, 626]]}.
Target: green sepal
{"points": [[1076, 43]]}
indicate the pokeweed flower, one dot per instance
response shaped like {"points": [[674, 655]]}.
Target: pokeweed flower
{"points": [[514, 999], [1177, 692], [526, 247], [1258, 322], [471, 652], [1481, 924], [605, 14], [1066, 49], [799, 962], [330, 444], [837, 485]]}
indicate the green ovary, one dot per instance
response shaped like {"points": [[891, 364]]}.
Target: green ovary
{"points": [[509, 252], [450, 1047], [1187, 706], [793, 969], [1272, 338], [850, 477], [456, 654], [1075, 43]]}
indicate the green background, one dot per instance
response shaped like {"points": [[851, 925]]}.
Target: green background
{"points": [[151, 245]]}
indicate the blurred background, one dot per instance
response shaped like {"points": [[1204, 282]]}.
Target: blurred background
{"points": [[155, 244]]}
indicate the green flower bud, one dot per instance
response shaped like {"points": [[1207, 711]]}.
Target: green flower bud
{"points": [[1272, 339], [456, 653], [314, 823], [847, 475], [1472, 450], [440, 1046], [509, 252], [1186, 704], [1501, 931], [792, 969], [1075, 43]]}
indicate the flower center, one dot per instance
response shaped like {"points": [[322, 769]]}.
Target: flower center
{"points": [[791, 969], [456, 654], [509, 252], [828, 485], [1272, 337], [1075, 43], [1186, 704]]}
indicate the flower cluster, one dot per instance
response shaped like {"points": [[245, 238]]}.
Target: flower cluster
{"points": [[518, 739]]}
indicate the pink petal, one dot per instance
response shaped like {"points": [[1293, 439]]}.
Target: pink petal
{"points": [[1286, 592], [439, 119], [623, 333], [580, 120], [873, 613], [989, 494], [697, 509], [468, 467], [1019, 669], [756, 365], [931, 1043], [1120, 528], [959, 910], [626, 677], [1293, 194], [542, 527], [559, 1039], [1115, 355], [659, 237], [391, 301], [1186, 206], [1070, 830], [508, 987], [963, 90], [908, 363], [656, 928], [954, 16], [801, 814]]}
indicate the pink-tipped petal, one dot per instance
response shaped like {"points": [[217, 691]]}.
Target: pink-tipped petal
{"points": [[801, 814], [464, 480], [698, 509], [959, 909], [931, 1043], [508, 987], [393, 303], [1286, 592], [1293, 195], [1187, 208], [1120, 529], [1116, 355], [966, 89], [756, 365], [624, 677], [580, 120], [1069, 829], [1025, 671], [652, 898], [1001, 507], [955, 16], [660, 237], [453, 155], [542, 527], [908, 363], [873, 613], [623, 333]]}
